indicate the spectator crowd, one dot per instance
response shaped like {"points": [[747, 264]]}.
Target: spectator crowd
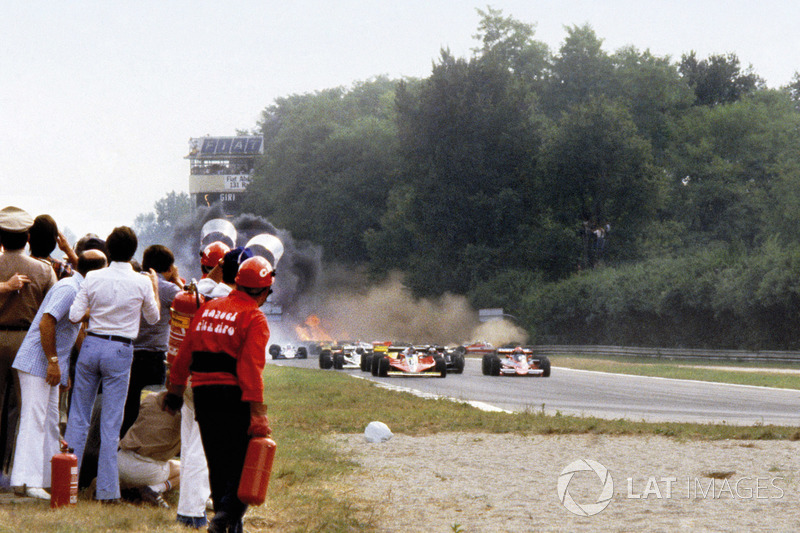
{"points": [[83, 359]]}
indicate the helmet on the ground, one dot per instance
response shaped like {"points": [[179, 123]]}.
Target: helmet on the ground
{"points": [[255, 273]]}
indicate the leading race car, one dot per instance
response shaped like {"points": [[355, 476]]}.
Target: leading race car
{"points": [[408, 361], [516, 361], [288, 351], [345, 354]]}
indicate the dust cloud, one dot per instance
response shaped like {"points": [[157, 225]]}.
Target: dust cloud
{"points": [[388, 311], [348, 304]]}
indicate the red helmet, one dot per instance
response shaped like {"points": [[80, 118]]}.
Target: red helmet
{"points": [[213, 253], [255, 273]]}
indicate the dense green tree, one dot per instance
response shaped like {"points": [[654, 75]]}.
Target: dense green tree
{"points": [[654, 93], [510, 42], [718, 79], [465, 137], [596, 170], [581, 71], [735, 170], [329, 161]]}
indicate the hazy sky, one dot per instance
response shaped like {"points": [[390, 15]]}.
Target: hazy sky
{"points": [[98, 99]]}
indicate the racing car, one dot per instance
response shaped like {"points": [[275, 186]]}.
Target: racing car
{"points": [[454, 358], [516, 361], [288, 351], [408, 361], [378, 348], [347, 354], [478, 348]]}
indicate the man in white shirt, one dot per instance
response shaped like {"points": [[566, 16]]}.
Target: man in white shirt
{"points": [[112, 299]]}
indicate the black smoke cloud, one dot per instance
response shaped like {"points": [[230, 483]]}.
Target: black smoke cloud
{"points": [[296, 273]]}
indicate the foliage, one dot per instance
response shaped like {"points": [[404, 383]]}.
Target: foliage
{"points": [[718, 79], [617, 197]]}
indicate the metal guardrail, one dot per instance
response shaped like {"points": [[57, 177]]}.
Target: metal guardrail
{"points": [[668, 353]]}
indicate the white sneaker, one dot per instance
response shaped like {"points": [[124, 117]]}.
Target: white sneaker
{"points": [[38, 493]]}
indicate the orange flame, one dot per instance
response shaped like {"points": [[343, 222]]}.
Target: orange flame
{"points": [[312, 330]]}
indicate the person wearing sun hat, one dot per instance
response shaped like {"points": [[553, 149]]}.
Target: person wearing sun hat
{"points": [[17, 310]]}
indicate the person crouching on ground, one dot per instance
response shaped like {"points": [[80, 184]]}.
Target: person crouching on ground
{"points": [[147, 452]]}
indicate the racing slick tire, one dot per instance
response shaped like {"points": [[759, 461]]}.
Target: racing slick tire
{"points": [[544, 363], [274, 351], [366, 362], [374, 366], [338, 361], [441, 366], [302, 352], [486, 364], [383, 367], [458, 363], [494, 365], [325, 360]]}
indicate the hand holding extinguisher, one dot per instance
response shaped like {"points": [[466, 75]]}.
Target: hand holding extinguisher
{"points": [[259, 423]]}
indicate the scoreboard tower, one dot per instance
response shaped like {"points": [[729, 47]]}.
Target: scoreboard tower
{"points": [[221, 169]]}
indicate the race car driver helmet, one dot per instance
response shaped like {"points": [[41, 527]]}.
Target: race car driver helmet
{"points": [[211, 256], [255, 273]]}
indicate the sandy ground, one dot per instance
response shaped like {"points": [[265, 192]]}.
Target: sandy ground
{"points": [[485, 483]]}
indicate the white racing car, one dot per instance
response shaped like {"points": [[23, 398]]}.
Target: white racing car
{"points": [[517, 361], [345, 354], [288, 351]]}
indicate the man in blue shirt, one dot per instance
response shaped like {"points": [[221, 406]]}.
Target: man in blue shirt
{"points": [[42, 364]]}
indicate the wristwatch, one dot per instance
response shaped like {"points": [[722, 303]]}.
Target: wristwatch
{"points": [[53, 359]]}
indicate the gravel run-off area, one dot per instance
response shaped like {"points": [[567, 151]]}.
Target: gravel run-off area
{"points": [[472, 482]]}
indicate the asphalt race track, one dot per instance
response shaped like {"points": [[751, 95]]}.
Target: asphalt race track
{"points": [[581, 392]]}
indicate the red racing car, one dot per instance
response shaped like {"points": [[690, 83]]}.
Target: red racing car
{"points": [[517, 361], [408, 361]]}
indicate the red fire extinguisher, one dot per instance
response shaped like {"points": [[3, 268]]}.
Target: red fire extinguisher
{"points": [[257, 469], [181, 312], [64, 478]]}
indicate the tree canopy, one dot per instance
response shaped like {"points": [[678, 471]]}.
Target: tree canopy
{"points": [[562, 185]]}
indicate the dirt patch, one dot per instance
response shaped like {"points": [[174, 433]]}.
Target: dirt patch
{"points": [[486, 483]]}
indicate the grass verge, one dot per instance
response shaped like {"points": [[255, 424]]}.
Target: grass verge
{"points": [[768, 374], [308, 491]]}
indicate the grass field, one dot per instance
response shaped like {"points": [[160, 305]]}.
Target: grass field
{"points": [[305, 406], [784, 376]]}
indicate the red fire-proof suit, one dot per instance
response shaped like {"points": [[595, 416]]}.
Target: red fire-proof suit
{"points": [[225, 351]]}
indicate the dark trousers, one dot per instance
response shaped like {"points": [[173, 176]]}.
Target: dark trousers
{"points": [[148, 368], [224, 419]]}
